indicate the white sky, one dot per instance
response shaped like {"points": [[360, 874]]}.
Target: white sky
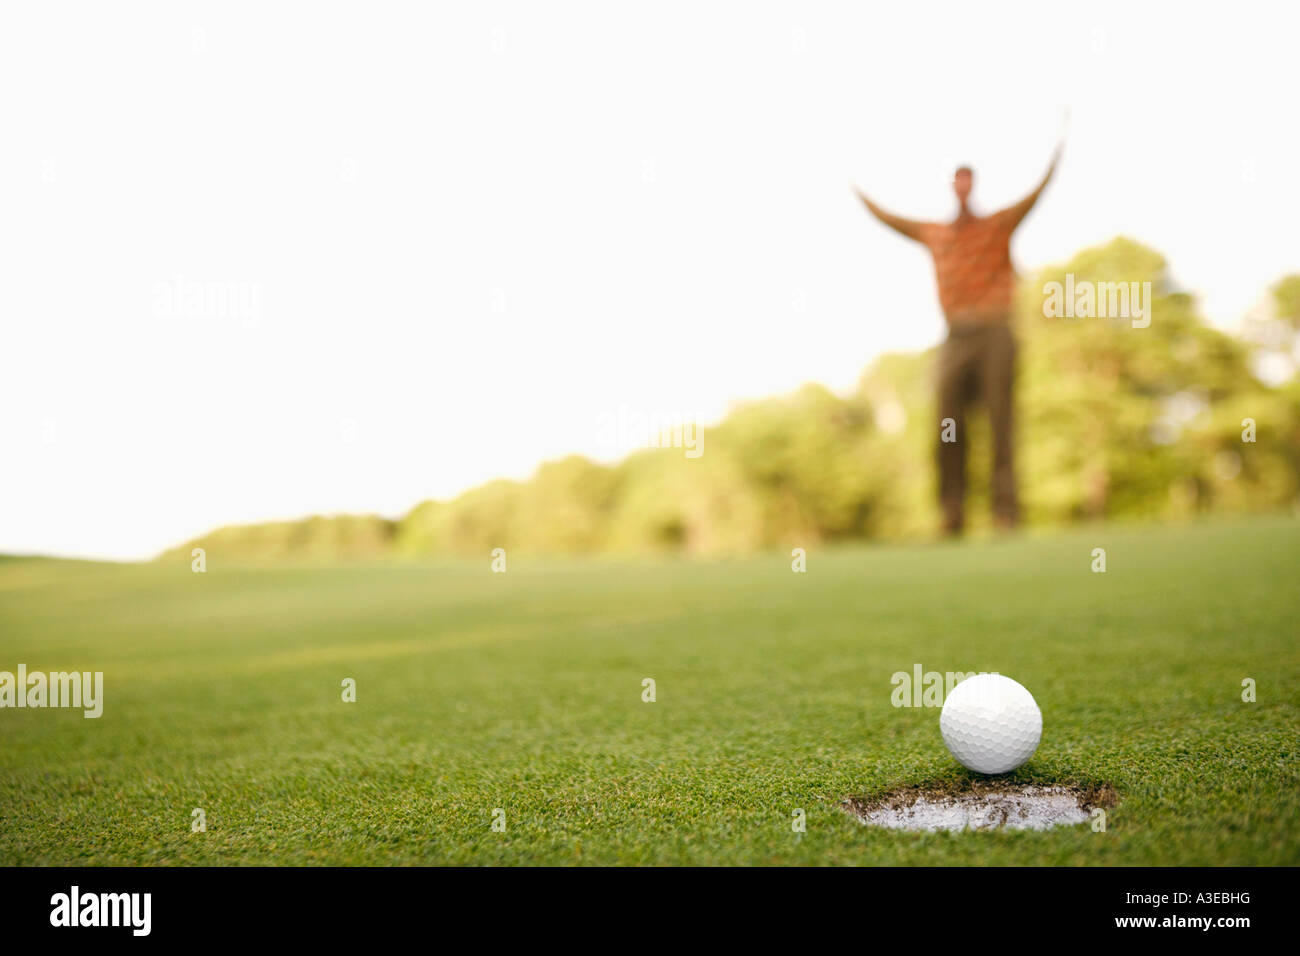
{"points": [[468, 234]]}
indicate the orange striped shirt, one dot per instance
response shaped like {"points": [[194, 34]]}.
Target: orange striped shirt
{"points": [[972, 258], [972, 266]]}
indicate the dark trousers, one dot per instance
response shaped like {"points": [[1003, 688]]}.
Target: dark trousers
{"points": [[976, 363]]}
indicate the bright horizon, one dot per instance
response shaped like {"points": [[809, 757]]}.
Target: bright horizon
{"points": [[443, 245]]}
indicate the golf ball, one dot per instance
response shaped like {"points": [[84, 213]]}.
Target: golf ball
{"points": [[991, 724]]}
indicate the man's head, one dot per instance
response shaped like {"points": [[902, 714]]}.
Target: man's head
{"points": [[961, 183]]}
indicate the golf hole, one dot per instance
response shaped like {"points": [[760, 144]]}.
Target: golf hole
{"points": [[983, 805]]}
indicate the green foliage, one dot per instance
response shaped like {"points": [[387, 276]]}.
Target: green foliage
{"points": [[318, 538], [483, 518], [668, 502], [1125, 421], [804, 463], [1113, 421], [1286, 299]]}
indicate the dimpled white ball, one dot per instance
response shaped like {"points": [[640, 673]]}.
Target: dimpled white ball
{"points": [[991, 724]]}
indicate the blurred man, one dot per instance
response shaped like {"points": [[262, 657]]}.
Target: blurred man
{"points": [[972, 263]]}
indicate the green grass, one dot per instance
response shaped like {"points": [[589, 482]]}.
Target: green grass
{"points": [[523, 691]]}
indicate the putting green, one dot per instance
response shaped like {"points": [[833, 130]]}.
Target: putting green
{"points": [[522, 693]]}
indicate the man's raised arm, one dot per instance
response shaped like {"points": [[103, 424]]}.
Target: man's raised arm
{"points": [[908, 227], [1014, 214]]}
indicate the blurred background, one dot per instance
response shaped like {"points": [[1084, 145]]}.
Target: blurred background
{"points": [[424, 281]]}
